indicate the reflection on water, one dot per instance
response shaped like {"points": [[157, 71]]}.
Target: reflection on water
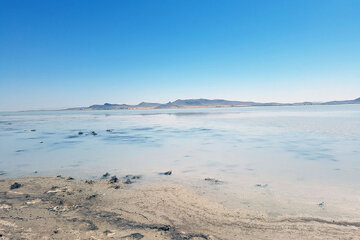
{"points": [[305, 153]]}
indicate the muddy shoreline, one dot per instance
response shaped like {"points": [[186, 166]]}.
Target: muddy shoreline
{"points": [[111, 208]]}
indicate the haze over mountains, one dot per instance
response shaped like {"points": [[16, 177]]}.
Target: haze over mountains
{"points": [[204, 103]]}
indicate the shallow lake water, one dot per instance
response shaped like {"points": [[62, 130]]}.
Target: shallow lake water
{"points": [[290, 160]]}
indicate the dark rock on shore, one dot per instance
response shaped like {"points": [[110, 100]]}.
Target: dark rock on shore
{"points": [[134, 236], [70, 178], [89, 181], [15, 185], [164, 228], [91, 197], [113, 179]]}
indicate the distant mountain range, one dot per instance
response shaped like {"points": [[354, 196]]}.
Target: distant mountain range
{"points": [[204, 103]]}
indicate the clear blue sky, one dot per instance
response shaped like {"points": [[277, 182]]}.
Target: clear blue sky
{"points": [[56, 54]]}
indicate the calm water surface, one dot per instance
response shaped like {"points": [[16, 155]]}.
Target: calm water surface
{"points": [[281, 160]]}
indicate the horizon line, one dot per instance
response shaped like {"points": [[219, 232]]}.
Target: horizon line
{"points": [[221, 99]]}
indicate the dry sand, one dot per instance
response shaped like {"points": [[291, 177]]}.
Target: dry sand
{"points": [[57, 208]]}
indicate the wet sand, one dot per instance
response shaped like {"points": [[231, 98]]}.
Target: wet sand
{"points": [[59, 208]]}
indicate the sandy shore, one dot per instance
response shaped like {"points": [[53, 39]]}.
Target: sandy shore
{"points": [[60, 208]]}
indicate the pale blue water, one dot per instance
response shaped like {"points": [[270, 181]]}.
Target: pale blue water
{"points": [[295, 150]]}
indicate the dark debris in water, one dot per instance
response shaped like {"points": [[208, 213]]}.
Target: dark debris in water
{"points": [[129, 178], [133, 177], [106, 175], [143, 129], [72, 136], [213, 180], [166, 173], [128, 181], [261, 185]]}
